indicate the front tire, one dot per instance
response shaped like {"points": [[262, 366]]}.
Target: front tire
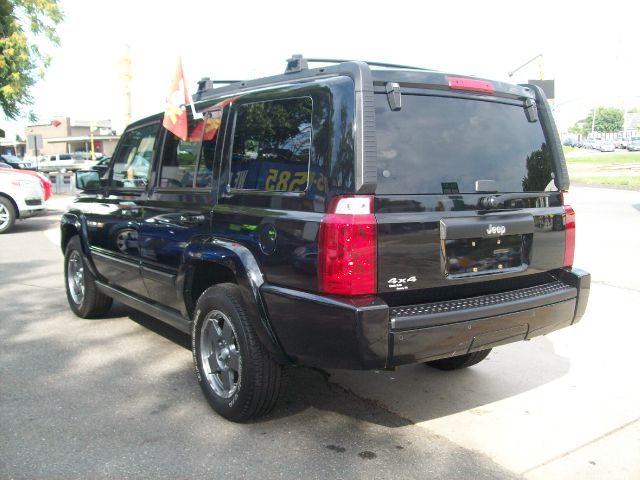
{"points": [[238, 376], [7, 215], [83, 295], [459, 361]]}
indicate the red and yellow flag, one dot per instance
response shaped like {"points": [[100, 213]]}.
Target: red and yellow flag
{"points": [[175, 114], [210, 123]]}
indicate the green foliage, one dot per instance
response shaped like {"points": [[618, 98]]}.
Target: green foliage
{"points": [[627, 181], [607, 120], [601, 159], [579, 128], [21, 62], [539, 170]]}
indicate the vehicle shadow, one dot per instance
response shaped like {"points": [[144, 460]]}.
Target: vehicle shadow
{"points": [[408, 395], [423, 393], [41, 222], [305, 387], [160, 328]]}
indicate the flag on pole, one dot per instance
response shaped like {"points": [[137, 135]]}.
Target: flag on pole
{"points": [[210, 123], [175, 114]]}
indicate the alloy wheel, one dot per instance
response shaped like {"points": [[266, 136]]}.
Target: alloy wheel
{"points": [[75, 277], [220, 354]]}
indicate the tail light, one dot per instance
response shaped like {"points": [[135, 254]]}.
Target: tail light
{"points": [[347, 250], [570, 233]]}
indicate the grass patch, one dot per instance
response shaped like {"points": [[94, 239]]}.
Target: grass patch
{"points": [[567, 149], [627, 181], [614, 158]]}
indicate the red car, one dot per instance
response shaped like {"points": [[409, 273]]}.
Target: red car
{"points": [[46, 183]]}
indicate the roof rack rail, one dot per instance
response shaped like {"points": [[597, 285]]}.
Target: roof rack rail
{"points": [[297, 63], [206, 83]]}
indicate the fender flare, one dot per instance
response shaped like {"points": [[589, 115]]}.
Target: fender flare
{"points": [[241, 262], [77, 221]]}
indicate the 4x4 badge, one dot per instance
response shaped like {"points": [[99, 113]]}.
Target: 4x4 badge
{"points": [[401, 283], [496, 229]]}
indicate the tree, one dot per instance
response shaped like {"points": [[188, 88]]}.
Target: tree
{"points": [[22, 62], [607, 120]]}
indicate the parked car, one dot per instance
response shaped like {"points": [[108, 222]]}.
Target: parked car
{"points": [[65, 162], [47, 186], [606, 146], [17, 163], [102, 165], [621, 142], [21, 196], [327, 237], [634, 144]]}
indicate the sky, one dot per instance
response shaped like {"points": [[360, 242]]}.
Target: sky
{"points": [[590, 50]]}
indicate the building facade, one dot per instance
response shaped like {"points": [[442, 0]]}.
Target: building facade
{"points": [[63, 135]]}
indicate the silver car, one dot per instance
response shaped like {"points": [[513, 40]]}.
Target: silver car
{"points": [[606, 146], [634, 146]]}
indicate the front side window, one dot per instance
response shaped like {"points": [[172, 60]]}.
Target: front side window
{"points": [[271, 145], [134, 156], [189, 163]]}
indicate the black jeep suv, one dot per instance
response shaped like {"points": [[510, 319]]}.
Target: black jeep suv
{"points": [[357, 216]]}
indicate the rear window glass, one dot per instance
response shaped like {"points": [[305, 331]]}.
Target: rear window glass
{"points": [[444, 144]]}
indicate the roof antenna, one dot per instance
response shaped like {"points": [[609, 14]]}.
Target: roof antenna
{"points": [[296, 63]]}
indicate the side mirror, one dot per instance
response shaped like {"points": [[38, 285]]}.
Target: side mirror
{"points": [[87, 180]]}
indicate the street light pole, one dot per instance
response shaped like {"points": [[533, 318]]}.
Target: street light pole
{"points": [[523, 65]]}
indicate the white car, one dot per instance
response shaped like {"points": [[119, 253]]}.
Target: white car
{"points": [[21, 196], [65, 162]]}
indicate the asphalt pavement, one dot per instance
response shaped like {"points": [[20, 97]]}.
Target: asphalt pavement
{"points": [[117, 398]]}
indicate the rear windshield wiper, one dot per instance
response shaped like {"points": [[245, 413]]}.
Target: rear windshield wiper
{"points": [[494, 201]]}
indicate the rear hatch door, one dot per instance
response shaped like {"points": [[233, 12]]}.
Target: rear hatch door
{"points": [[466, 195]]}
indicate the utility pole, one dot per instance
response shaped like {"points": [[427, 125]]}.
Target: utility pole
{"points": [[92, 127], [126, 76]]}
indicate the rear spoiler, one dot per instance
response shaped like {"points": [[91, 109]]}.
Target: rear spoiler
{"points": [[553, 139]]}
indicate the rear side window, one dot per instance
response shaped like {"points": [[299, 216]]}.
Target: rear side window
{"points": [[189, 163], [271, 145], [444, 144]]}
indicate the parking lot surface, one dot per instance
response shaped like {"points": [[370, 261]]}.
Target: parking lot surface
{"points": [[116, 397]]}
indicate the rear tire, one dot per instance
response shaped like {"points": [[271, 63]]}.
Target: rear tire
{"points": [[238, 376], [459, 361], [83, 295], [7, 215]]}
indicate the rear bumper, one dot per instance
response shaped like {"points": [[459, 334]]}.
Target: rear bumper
{"points": [[365, 333]]}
